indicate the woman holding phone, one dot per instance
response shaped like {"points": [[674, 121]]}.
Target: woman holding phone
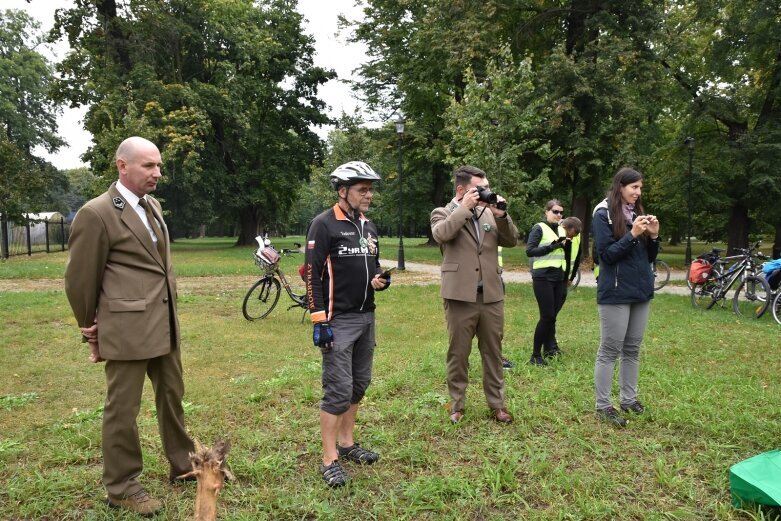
{"points": [[549, 262], [627, 242]]}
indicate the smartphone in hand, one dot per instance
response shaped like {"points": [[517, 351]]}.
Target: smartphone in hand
{"points": [[387, 273]]}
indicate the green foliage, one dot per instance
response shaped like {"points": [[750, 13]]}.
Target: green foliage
{"points": [[228, 90], [12, 401], [600, 85], [27, 118], [496, 126]]}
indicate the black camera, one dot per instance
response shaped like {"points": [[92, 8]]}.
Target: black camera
{"points": [[487, 196]]}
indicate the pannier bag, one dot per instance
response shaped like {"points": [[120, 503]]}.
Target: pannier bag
{"points": [[774, 279], [772, 271], [700, 271], [757, 480]]}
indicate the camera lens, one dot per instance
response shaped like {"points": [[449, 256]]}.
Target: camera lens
{"points": [[486, 195]]}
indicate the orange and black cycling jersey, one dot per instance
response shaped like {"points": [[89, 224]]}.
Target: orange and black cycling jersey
{"points": [[342, 257]]}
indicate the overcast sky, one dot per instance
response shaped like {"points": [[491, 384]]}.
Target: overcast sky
{"points": [[332, 52]]}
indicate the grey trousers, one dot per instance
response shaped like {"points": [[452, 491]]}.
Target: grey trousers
{"points": [[347, 368], [621, 328]]}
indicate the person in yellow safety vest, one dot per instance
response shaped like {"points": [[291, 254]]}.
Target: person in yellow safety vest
{"points": [[573, 227], [550, 251]]}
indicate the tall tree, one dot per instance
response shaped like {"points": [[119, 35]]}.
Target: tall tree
{"points": [[583, 60], [227, 88], [27, 117], [725, 56]]}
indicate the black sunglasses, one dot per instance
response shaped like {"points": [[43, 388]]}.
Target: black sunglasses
{"points": [[558, 212]]}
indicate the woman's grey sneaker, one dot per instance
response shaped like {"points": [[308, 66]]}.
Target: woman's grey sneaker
{"points": [[611, 416], [358, 454], [333, 474], [635, 407]]}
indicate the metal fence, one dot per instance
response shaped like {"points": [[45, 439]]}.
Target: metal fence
{"points": [[33, 236]]}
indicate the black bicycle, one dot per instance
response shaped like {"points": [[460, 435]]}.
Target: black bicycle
{"points": [[753, 295], [262, 297]]}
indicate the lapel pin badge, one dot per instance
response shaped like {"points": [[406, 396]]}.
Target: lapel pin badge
{"points": [[487, 227], [119, 203]]}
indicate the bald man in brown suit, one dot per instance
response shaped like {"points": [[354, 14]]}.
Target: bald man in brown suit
{"points": [[469, 232], [121, 286]]}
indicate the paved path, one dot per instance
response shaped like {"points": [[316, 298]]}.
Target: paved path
{"points": [[419, 273], [523, 276]]}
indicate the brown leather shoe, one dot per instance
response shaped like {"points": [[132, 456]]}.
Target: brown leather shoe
{"points": [[502, 416], [456, 416], [141, 503]]}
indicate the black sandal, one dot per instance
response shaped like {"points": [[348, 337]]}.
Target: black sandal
{"points": [[358, 454], [333, 474]]}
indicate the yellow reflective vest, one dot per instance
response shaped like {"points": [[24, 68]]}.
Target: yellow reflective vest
{"points": [[555, 259], [574, 251]]}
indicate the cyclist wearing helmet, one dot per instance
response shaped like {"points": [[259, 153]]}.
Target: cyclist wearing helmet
{"points": [[342, 271]]}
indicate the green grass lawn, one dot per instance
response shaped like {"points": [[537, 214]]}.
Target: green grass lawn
{"points": [[709, 379]]}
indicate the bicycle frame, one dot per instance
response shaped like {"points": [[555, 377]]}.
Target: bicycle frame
{"points": [[298, 300]]}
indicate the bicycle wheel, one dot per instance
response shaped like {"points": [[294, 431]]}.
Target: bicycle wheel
{"points": [[261, 298], [661, 274], [702, 295], [752, 297], [776, 307], [576, 280]]}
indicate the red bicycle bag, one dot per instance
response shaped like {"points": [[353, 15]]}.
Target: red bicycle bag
{"points": [[699, 271]]}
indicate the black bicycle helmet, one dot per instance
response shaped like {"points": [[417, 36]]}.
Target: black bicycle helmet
{"points": [[353, 172]]}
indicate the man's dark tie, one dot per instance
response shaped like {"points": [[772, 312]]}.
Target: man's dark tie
{"points": [[155, 228]]}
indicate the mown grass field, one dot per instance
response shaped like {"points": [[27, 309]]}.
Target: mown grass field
{"points": [[710, 381]]}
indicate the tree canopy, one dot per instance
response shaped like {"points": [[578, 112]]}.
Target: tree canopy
{"points": [[27, 118], [552, 97], [227, 89]]}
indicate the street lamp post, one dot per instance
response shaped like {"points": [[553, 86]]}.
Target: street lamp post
{"points": [[689, 142], [400, 135]]}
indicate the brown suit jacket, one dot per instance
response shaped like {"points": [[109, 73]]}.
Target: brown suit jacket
{"points": [[114, 273], [465, 259]]}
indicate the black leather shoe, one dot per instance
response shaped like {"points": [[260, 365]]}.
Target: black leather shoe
{"points": [[537, 360], [635, 407]]}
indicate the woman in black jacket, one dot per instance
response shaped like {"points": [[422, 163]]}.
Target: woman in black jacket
{"points": [[550, 252], [627, 242]]}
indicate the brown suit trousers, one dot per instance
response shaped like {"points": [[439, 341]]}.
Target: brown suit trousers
{"points": [[122, 459], [465, 320]]}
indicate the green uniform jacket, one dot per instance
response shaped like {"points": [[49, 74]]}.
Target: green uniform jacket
{"points": [[114, 273]]}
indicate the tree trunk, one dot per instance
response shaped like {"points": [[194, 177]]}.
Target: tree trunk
{"points": [[675, 237], [249, 226], [777, 243], [438, 194], [737, 229]]}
